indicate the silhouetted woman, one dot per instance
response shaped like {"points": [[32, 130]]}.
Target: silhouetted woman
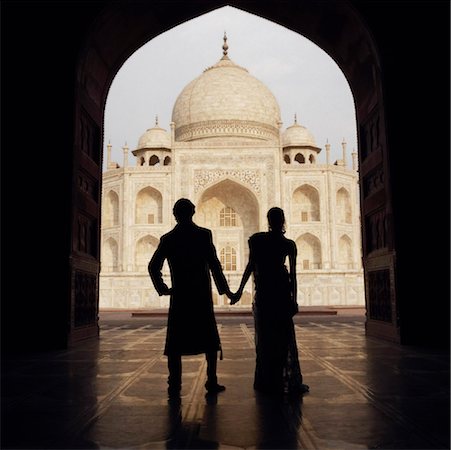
{"points": [[277, 368]]}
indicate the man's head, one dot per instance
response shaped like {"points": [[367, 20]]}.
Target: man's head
{"points": [[183, 210]]}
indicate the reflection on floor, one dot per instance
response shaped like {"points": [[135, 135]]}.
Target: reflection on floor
{"points": [[111, 393]]}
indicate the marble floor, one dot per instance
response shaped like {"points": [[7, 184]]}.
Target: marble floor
{"points": [[111, 393]]}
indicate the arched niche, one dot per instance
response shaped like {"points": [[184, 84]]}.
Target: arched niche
{"points": [[144, 249], [345, 259], [111, 210], [110, 256], [309, 252], [148, 206], [305, 204], [344, 210], [228, 194]]}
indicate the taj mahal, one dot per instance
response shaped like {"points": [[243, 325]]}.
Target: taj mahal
{"points": [[226, 150]]}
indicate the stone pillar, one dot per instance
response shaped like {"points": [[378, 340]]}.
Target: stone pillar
{"points": [[331, 218], [125, 149], [354, 161], [343, 144], [108, 154], [327, 153], [172, 134]]}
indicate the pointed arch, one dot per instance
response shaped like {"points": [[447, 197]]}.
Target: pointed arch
{"points": [[344, 210], [149, 206], [345, 259], [144, 248], [154, 160], [111, 210], [228, 194], [110, 256], [300, 158], [309, 252], [305, 204], [356, 53]]}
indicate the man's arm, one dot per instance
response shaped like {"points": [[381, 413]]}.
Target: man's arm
{"points": [[155, 266], [216, 268]]}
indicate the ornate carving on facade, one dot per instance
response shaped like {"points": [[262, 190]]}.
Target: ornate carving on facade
{"points": [[157, 186], [225, 127], [110, 234], [379, 295], [376, 230], [373, 181], [370, 135], [137, 235], [85, 307], [88, 185], [309, 230], [112, 188], [90, 137], [234, 142], [313, 183], [204, 178], [86, 235], [339, 186]]}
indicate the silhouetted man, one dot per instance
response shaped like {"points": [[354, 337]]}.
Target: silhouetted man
{"points": [[192, 328]]}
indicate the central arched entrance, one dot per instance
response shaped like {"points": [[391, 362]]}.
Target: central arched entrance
{"points": [[232, 212]]}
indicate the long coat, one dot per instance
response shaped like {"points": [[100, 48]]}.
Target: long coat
{"points": [[191, 256]]}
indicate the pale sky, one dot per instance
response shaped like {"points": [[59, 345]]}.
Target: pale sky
{"points": [[302, 77]]}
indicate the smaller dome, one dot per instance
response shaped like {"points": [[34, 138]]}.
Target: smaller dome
{"points": [[155, 137], [298, 136]]}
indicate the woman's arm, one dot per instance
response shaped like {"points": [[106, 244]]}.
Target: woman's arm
{"points": [[247, 273], [293, 280]]}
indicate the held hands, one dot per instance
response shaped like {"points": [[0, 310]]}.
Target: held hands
{"points": [[234, 298]]}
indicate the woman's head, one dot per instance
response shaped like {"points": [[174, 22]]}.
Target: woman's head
{"points": [[276, 220]]}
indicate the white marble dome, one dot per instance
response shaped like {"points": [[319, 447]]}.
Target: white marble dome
{"points": [[226, 101], [298, 136], [155, 137]]}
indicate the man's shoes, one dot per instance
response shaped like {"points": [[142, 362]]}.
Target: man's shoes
{"points": [[302, 389], [214, 388]]}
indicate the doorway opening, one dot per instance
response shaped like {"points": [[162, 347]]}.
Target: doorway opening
{"points": [[228, 163]]}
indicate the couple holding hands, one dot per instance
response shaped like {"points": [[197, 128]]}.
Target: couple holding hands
{"points": [[191, 327]]}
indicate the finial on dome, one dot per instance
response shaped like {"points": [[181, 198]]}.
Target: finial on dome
{"points": [[295, 119], [156, 120], [225, 47]]}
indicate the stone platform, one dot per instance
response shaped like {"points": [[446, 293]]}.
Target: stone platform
{"points": [[111, 393]]}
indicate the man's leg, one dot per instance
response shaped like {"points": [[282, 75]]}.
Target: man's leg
{"points": [[212, 380], [175, 374]]}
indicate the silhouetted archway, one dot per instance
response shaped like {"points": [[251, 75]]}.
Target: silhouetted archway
{"points": [[102, 57], [70, 93]]}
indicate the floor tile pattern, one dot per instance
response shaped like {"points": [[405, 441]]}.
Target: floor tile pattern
{"points": [[111, 393]]}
